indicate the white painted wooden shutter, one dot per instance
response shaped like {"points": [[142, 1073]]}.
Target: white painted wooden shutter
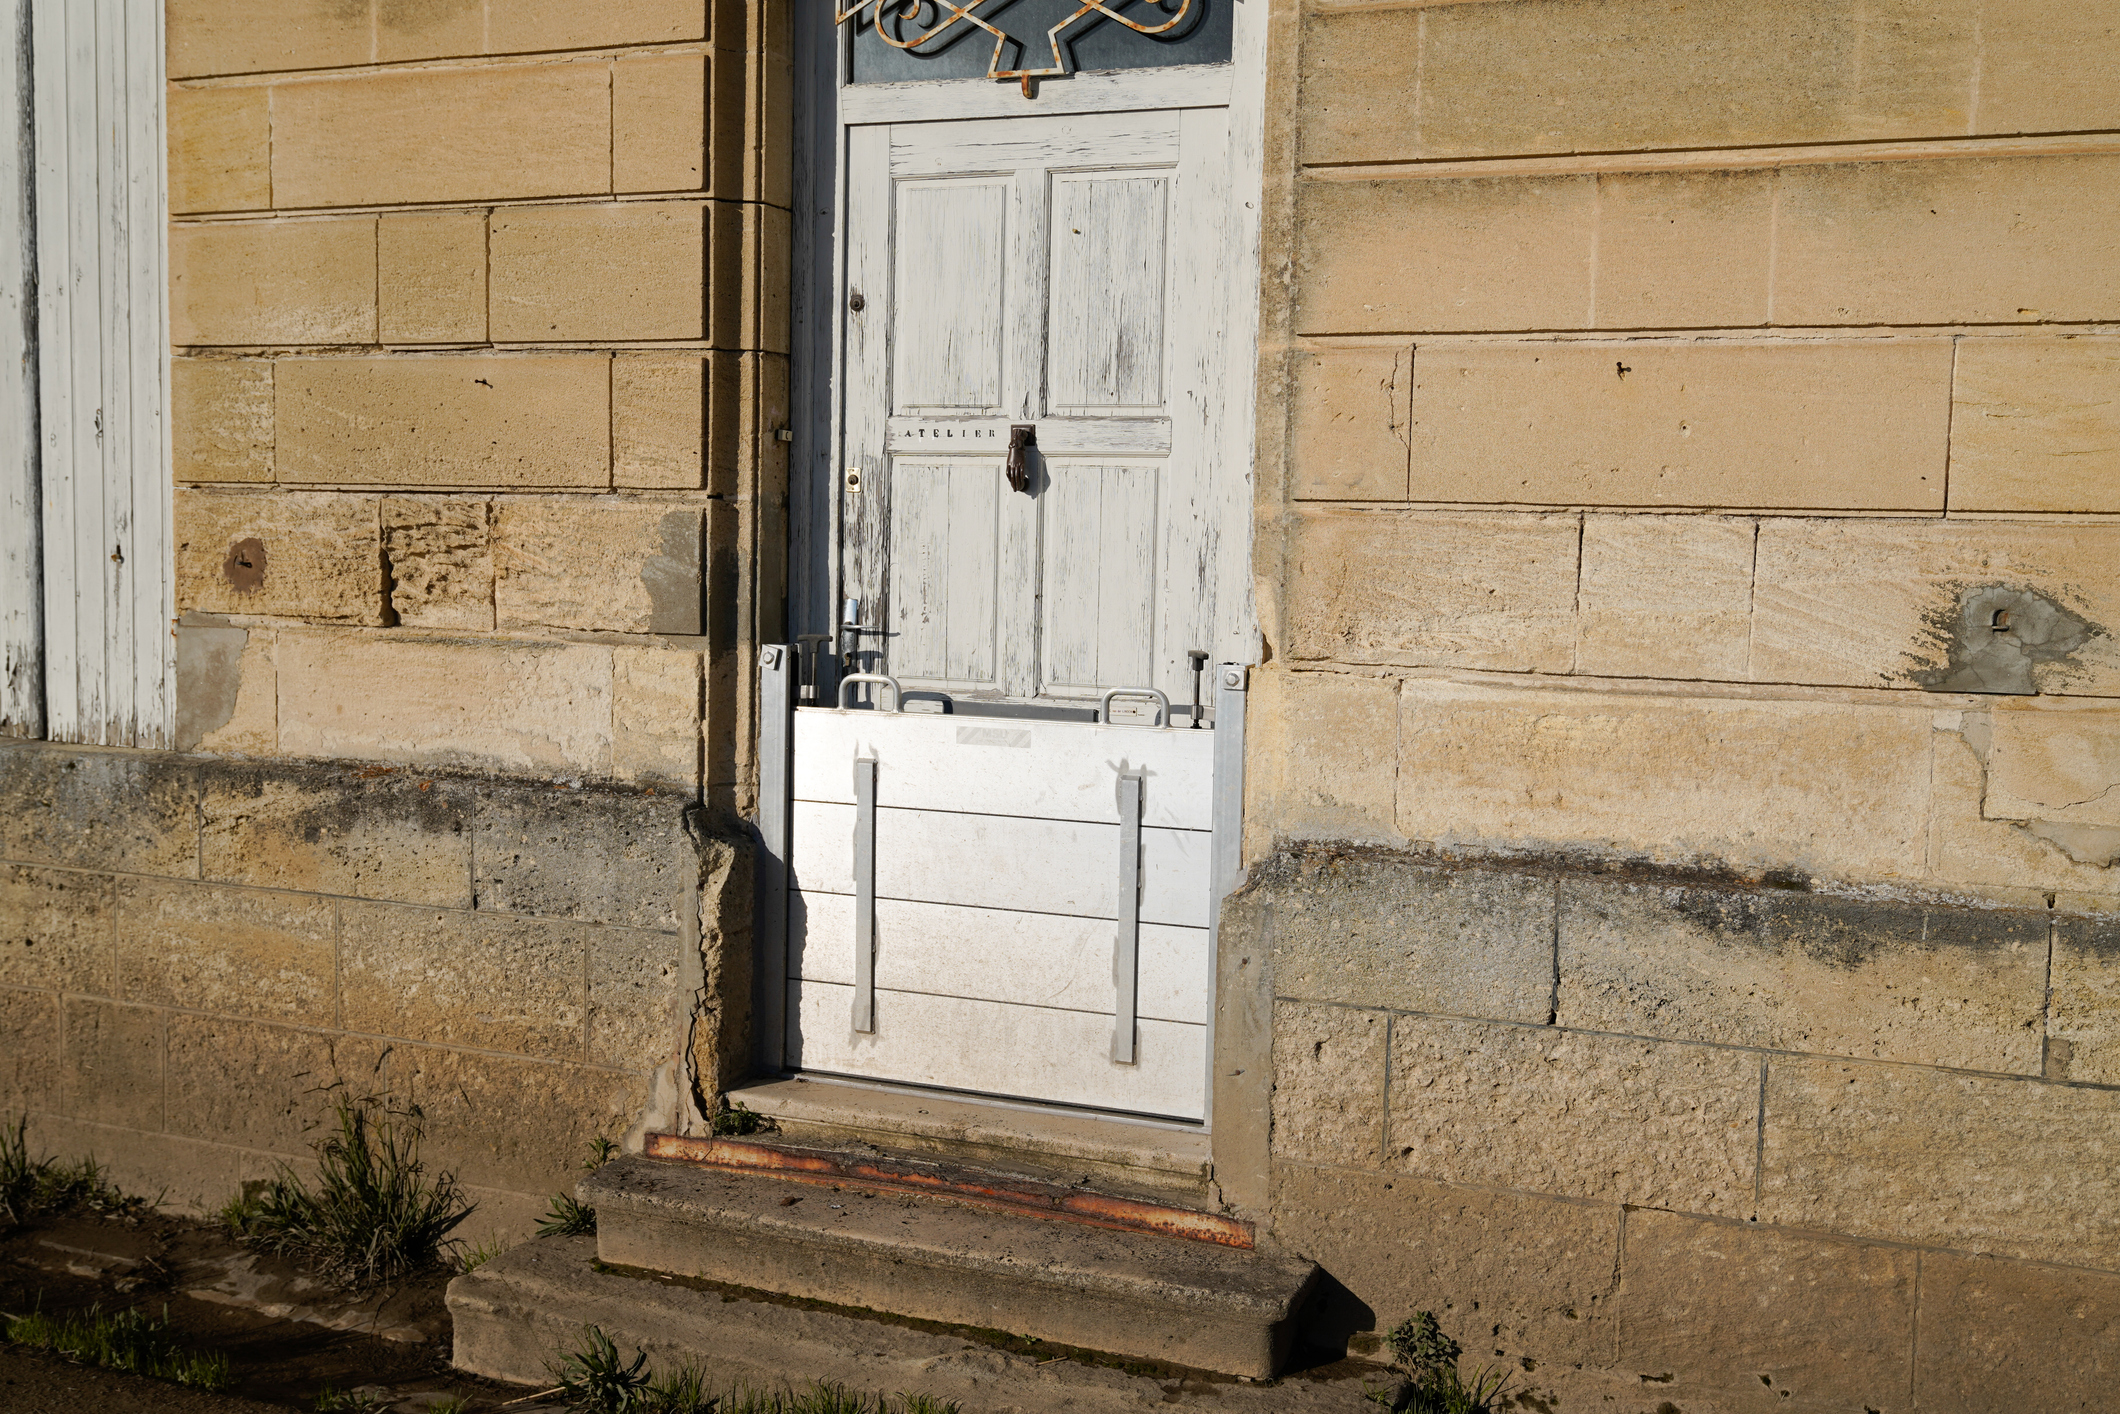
{"points": [[21, 569], [102, 345]]}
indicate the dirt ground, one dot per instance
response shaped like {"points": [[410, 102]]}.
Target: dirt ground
{"points": [[288, 1338]]}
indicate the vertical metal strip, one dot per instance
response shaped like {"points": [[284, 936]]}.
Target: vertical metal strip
{"points": [[21, 495], [769, 985], [1126, 944], [864, 895], [1225, 853]]}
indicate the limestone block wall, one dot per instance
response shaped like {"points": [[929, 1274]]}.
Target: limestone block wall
{"points": [[480, 315], [1683, 788], [193, 951]]}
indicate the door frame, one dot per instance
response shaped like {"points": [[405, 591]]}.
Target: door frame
{"points": [[817, 348]]}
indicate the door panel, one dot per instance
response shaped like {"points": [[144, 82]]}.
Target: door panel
{"points": [[1105, 347], [944, 540], [1099, 574], [951, 239]]}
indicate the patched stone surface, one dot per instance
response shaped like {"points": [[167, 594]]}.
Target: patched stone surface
{"points": [[1515, 1274], [594, 856], [1384, 933], [1879, 980], [2012, 1168], [240, 952], [2049, 1336], [325, 829], [99, 810], [611, 563], [1754, 1318], [56, 930], [465, 979], [1328, 1096], [2083, 1020], [1580, 1116]]}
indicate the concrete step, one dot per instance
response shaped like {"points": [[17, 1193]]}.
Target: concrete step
{"points": [[1186, 1303], [1115, 1154], [520, 1310]]}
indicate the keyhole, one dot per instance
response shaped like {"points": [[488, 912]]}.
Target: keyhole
{"points": [[856, 303], [2001, 622]]}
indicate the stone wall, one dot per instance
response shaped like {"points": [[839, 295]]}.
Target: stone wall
{"points": [[192, 952], [1684, 776], [480, 310]]}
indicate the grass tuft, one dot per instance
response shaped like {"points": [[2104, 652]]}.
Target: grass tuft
{"points": [[35, 1188], [567, 1217], [598, 1379], [373, 1215], [1433, 1384], [472, 1256], [130, 1341]]}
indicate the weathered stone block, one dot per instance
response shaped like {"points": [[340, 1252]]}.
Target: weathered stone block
{"points": [[527, 708], [634, 270], [126, 811], [2056, 762], [220, 415], [615, 563], [112, 1067], [458, 978], [2000, 1334], [273, 282], [658, 420], [257, 36], [1665, 597], [515, 130], [1683, 250], [241, 952], [454, 421], [29, 1064], [638, 1017], [431, 278], [2013, 1168], [330, 830], [1877, 980], [527, 25], [1576, 1115], [597, 856], [438, 555], [1753, 1318], [1980, 240], [220, 146], [657, 708], [1347, 426], [307, 555], [265, 1087], [2006, 856], [1434, 588], [659, 123], [227, 690], [1877, 603], [56, 931], [2083, 1020], [1332, 767], [2043, 69], [2034, 426], [184, 1175], [426, 29], [1369, 930], [1328, 1084], [524, 1125], [1512, 1273], [1852, 426], [1444, 253], [1683, 780]]}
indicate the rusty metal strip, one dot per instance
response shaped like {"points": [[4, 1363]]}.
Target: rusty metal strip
{"points": [[986, 1192]]}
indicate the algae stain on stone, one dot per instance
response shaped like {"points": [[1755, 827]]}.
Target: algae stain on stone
{"points": [[1996, 634]]}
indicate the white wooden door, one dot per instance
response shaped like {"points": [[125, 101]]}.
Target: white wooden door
{"points": [[1069, 273]]}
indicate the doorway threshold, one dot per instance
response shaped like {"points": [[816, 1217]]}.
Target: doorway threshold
{"points": [[1117, 1152]]}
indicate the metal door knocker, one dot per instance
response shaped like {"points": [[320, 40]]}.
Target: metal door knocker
{"points": [[1022, 436]]}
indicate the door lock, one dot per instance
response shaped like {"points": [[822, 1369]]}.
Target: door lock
{"points": [[1022, 436]]}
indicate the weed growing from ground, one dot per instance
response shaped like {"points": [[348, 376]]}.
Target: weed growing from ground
{"points": [[352, 1401], [35, 1188], [372, 1216], [598, 1379], [131, 1341], [566, 1217], [1433, 1384], [736, 1119], [472, 1256]]}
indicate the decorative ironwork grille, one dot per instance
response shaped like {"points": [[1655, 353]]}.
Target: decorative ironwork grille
{"points": [[925, 28]]}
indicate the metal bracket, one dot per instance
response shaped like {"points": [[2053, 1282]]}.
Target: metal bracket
{"points": [[864, 895], [776, 702], [1126, 944], [881, 679], [1104, 703]]}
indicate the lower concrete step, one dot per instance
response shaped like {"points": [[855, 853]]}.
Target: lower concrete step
{"points": [[1148, 1296], [515, 1314]]}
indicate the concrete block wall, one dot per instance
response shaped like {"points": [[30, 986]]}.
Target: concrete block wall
{"points": [[1682, 775], [192, 951], [481, 321]]}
